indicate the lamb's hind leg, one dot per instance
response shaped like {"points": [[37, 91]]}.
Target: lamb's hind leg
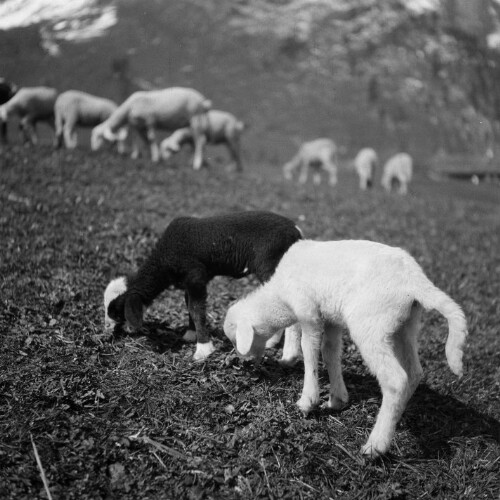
{"points": [[311, 342], [190, 335], [331, 349], [153, 146], [390, 353], [291, 347]]}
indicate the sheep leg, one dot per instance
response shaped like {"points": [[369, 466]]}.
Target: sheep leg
{"points": [[58, 136], [153, 146], [3, 131], [197, 303], [70, 136], [190, 335], [331, 349], [304, 167], [291, 347], [391, 353], [199, 143], [27, 127], [234, 149], [142, 133], [311, 342], [331, 168]]}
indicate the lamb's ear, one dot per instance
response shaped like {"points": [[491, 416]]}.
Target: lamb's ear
{"points": [[244, 337], [134, 311]]}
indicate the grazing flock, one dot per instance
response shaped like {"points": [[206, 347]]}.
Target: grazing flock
{"points": [[309, 291], [188, 117]]}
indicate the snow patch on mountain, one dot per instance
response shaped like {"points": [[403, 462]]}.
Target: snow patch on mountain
{"points": [[74, 20]]}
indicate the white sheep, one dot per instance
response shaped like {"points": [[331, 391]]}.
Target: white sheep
{"points": [[398, 172], [375, 291], [317, 154], [75, 108], [216, 127], [146, 111], [31, 105], [365, 164]]}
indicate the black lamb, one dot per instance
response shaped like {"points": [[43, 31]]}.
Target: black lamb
{"points": [[189, 254]]}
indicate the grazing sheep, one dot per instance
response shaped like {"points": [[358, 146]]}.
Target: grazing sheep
{"points": [[318, 154], [365, 164], [398, 172], [189, 254], [217, 127], [375, 291], [31, 105], [74, 108], [7, 91], [145, 111]]}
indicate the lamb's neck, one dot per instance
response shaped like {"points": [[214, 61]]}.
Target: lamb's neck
{"points": [[148, 283], [271, 310]]}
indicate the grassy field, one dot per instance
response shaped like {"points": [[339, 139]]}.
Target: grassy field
{"points": [[134, 417]]}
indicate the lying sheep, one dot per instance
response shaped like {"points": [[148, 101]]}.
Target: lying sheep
{"points": [[318, 154], [7, 91], [31, 105], [375, 291], [145, 111], [189, 254], [216, 127], [74, 108], [365, 164], [398, 172]]}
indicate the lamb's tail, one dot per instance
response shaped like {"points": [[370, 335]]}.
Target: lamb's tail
{"points": [[431, 297]]}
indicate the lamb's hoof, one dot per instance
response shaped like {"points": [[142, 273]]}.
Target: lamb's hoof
{"points": [[289, 361], [370, 452], [203, 351], [189, 336], [305, 405], [336, 403]]}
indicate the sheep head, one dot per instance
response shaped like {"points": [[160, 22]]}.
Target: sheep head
{"points": [[240, 331], [121, 306]]}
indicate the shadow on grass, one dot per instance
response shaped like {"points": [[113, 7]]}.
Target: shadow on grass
{"points": [[434, 419], [163, 338]]}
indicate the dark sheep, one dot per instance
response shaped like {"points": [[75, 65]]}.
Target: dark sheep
{"points": [[7, 91], [190, 253]]}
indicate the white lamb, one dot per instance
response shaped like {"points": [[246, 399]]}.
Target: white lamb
{"points": [[317, 155], [75, 108], [216, 127], [31, 105], [365, 164], [145, 111], [375, 291], [398, 171]]}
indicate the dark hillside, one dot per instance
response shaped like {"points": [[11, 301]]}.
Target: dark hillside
{"points": [[361, 72]]}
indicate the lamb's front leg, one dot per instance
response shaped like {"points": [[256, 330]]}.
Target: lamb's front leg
{"points": [[153, 146], [311, 343], [197, 303], [291, 347], [190, 335]]}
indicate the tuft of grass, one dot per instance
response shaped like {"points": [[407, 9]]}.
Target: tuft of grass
{"points": [[134, 417]]}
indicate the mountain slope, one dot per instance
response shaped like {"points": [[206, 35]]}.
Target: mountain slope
{"points": [[362, 71]]}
